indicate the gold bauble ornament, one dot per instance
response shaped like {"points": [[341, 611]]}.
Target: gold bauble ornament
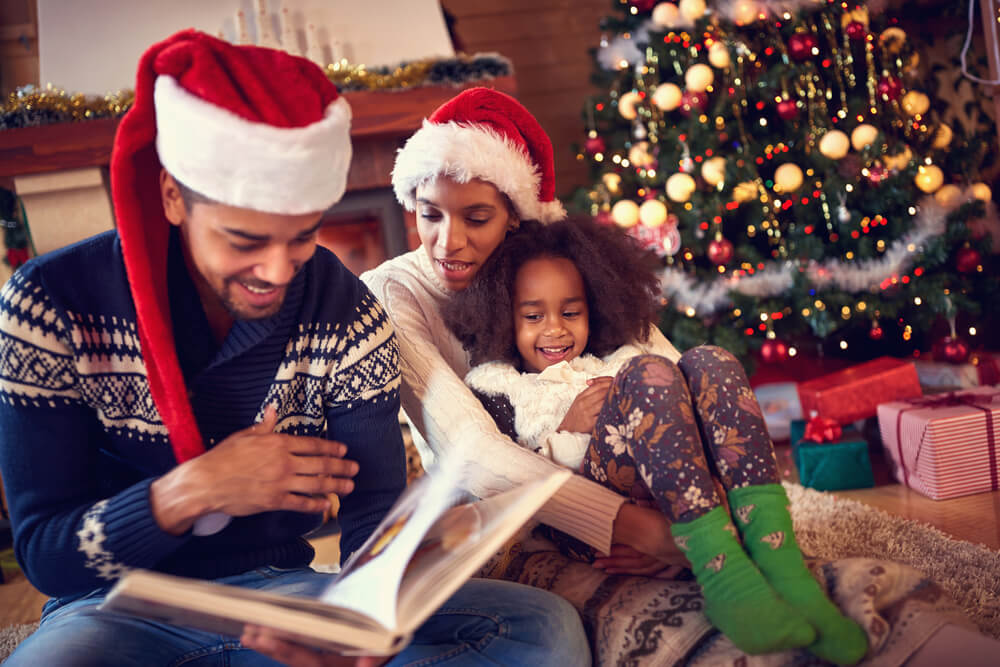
{"points": [[627, 103], [692, 10], [892, 39], [744, 192], [834, 144], [942, 137], [698, 77], [718, 55], [625, 213], [612, 181], [949, 196], [714, 171], [679, 187], [929, 178], [667, 96], [915, 102], [980, 191], [639, 155], [859, 14], [898, 161], [788, 177], [863, 136], [744, 12], [665, 15], [652, 213]]}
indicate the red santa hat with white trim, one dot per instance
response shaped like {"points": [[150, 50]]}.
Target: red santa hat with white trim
{"points": [[246, 126], [483, 134]]}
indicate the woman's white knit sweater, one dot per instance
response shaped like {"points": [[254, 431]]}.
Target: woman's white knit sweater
{"points": [[448, 419], [541, 400]]}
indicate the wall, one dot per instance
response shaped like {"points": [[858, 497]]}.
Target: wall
{"points": [[548, 42]]}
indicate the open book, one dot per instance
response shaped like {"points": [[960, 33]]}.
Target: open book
{"points": [[427, 546]]}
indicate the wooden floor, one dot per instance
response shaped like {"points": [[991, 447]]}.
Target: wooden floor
{"points": [[972, 518]]}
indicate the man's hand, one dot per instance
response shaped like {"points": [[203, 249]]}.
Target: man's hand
{"points": [[253, 470], [582, 414], [284, 650]]}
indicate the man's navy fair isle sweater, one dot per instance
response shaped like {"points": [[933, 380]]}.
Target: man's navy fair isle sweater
{"points": [[81, 439]]}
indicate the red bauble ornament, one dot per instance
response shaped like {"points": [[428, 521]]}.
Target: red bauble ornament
{"points": [[857, 31], [967, 259], [788, 110], [774, 350], [951, 349], [889, 88], [877, 173], [875, 333], [644, 5], [594, 145], [720, 251], [801, 45], [692, 102]]}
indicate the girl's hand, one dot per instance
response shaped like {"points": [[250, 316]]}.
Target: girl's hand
{"points": [[582, 414]]}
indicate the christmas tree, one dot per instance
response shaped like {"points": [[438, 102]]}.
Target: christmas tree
{"points": [[788, 162]]}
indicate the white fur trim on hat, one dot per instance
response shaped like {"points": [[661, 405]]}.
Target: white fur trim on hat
{"points": [[252, 165], [465, 152]]}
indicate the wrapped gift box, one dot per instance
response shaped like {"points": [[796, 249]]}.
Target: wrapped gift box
{"points": [[982, 369], [854, 393], [832, 466], [944, 445]]}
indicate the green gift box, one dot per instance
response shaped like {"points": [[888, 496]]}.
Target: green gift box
{"points": [[832, 466]]}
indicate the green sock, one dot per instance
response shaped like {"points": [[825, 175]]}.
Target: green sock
{"points": [[738, 600], [761, 513]]}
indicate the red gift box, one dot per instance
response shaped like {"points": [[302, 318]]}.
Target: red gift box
{"points": [[855, 393], [944, 445]]}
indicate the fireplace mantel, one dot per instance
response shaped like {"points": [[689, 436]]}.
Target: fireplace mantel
{"points": [[380, 120], [60, 170]]}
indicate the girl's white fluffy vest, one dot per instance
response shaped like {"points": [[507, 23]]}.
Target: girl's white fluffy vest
{"points": [[541, 400]]}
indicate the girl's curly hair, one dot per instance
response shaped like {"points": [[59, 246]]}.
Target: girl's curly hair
{"points": [[619, 277]]}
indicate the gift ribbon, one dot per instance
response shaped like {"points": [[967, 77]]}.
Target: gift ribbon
{"points": [[952, 399], [823, 429]]}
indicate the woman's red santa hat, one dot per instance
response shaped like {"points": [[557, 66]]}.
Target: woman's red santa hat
{"points": [[245, 126], [483, 134]]}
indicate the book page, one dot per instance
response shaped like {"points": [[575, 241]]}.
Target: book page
{"points": [[369, 582], [457, 545]]}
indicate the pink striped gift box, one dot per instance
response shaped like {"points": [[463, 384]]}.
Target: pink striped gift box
{"points": [[944, 445]]}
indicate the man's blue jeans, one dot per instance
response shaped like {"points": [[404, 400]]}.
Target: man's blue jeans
{"points": [[484, 623]]}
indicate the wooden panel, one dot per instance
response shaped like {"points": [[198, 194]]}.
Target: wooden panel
{"points": [[462, 8], [548, 42]]}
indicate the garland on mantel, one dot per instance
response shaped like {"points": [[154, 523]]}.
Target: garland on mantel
{"points": [[31, 106]]}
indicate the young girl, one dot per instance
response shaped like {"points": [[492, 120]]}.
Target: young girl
{"points": [[563, 378]]}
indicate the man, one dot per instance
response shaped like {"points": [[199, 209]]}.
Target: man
{"points": [[185, 393]]}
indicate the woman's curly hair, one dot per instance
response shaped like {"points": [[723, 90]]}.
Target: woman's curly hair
{"points": [[619, 277]]}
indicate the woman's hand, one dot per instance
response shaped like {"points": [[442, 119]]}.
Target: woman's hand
{"points": [[624, 559], [272, 644], [647, 531], [582, 414]]}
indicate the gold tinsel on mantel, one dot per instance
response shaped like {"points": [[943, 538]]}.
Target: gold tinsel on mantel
{"points": [[355, 77], [31, 106]]}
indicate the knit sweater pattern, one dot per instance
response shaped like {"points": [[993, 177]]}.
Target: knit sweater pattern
{"points": [[81, 439]]}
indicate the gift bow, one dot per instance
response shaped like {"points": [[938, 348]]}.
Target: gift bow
{"points": [[952, 399], [822, 429]]}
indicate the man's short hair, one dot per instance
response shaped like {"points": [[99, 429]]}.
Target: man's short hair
{"points": [[191, 197]]}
